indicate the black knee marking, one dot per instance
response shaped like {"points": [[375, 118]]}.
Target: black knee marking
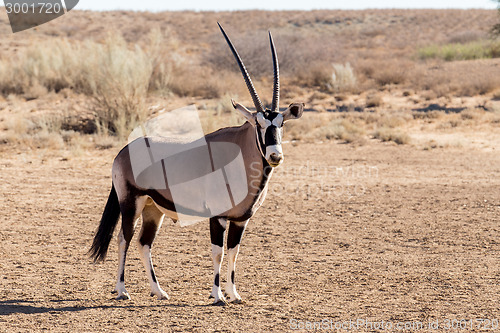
{"points": [[232, 277], [216, 232], [128, 222], [216, 281], [234, 235], [148, 233], [122, 275]]}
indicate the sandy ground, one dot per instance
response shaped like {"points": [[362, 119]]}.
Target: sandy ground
{"points": [[377, 232]]}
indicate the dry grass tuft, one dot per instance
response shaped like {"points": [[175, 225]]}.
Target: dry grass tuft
{"points": [[471, 114], [427, 115], [389, 134], [302, 129], [374, 100], [343, 78], [116, 75], [340, 129], [119, 82], [315, 75]]}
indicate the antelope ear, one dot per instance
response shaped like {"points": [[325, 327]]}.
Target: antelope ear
{"points": [[249, 115], [294, 111]]}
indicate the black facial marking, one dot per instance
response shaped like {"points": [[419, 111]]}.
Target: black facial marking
{"points": [[272, 136], [216, 281], [269, 115]]}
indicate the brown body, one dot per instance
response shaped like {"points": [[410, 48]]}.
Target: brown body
{"points": [[257, 173]]}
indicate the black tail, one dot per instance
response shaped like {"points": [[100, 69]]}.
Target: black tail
{"points": [[107, 225]]}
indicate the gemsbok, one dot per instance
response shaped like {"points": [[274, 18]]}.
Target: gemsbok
{"points": [[155, 176]]}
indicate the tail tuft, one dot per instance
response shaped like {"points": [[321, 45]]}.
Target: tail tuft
{"points": [[104, 233]]}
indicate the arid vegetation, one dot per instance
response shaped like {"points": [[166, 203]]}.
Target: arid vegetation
{"points": [[354, 69]]}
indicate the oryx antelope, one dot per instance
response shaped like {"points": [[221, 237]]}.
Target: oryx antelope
{"points": [[259, 141]]}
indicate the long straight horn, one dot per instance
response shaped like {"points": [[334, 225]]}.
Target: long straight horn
{"points": [[276, 86], [248, 81]]}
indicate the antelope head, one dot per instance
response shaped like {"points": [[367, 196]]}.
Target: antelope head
{"points": [[267, 122]]}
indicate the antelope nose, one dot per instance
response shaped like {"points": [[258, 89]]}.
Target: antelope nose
{"points": [[276, 158]]}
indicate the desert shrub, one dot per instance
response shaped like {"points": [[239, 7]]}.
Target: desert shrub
{"points": [[435, 114], [303, 129], [343, 78], [252, 47], [315, 75], [454, 78], [466, 36], [479, 85], [389, 75], [41, 131], [162, 62], [48, 65], [339, 129], [116, 75], [388, 134], [196, 81], [346, 130], [373, 100], [471, 114], [481, 49], [328, 77], [393, 120], [383, 72], [118, 78]]}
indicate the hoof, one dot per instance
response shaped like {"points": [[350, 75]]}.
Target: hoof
{"points": [[236, 301], [220, 302], [123, 296], [114, 292], [163, 295]]}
